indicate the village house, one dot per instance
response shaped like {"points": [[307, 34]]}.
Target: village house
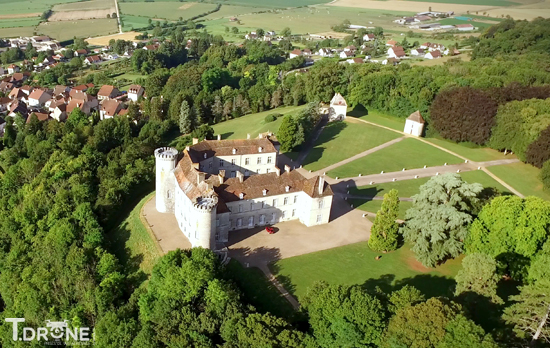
{"points": [[12, 69], [355, 61], [109, 109], [152, 47], [295, 53], [433, 55], [405, 20], [414, 124], [81, 52], [107, 92], [219, 186], [368, 37], [391, 43], [464, 27], [38, 98], [396, 52], [350, 48], [251, 36], [17, 107], [306, 52], [390, 61], [41, 116], [432, 46], [346, 54], [59, 113], [92, 60], [419, 52], [4, 103], [324, 52], [135, 92]]}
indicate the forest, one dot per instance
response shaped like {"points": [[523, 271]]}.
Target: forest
{"points": [[63, 184]]}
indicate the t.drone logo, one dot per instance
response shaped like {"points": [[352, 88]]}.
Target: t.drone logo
{"points": [[55, 332]]}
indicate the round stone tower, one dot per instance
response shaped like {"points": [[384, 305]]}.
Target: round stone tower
{"points": [[165, 162], [205, 214]]}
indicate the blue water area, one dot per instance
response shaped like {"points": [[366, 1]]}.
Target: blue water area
{"points": [[464, 18]]}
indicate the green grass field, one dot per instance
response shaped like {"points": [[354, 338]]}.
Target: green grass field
{"points": [[131, 22], [85, 5], [309, 20], [253, 124], [523, 177], [132, 243], [384, 120], [409, 154], [227, 11], [474, 2], [341, 140], [409, 188], [19, 22], [27, 6], [453, 21], [472, 152], [82, 28], [165, 10], [259, 291], [16, 32], [356, 264]]}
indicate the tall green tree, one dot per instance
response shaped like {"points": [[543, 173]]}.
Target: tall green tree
{"points": [[9, 133], [287, 133], [530, 312], [384, 231], [404, 297], [186, 123], [478, 275], [437, 223], [462, 332], [343, 316]]}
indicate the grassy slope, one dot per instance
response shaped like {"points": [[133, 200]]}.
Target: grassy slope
{"points": [[356, 264], [132, 243], [164, 10], [408, 153], [253, 124], [341, 140], [523, 177], [83, 28], [470, 151], [258, 291]]}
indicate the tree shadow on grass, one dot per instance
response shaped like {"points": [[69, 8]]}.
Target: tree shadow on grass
{"points": [[330, 132], [358, 111], [430, 285], [227, 135]]}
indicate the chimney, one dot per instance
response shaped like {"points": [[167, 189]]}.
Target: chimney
{"points": [[240, 176], [321, 185], [195, 141], [219, 137], [248, 136], [200, 177], [287, 168], [278, 171], [221, 176]]}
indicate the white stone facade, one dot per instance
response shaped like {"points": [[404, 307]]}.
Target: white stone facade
{"points": [[209, 203]]}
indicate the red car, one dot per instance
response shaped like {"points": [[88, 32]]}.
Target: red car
{"points": [[270, 229]]}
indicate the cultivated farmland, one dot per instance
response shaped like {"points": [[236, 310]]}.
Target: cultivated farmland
{"points": [[84, 28], [165, 10]]}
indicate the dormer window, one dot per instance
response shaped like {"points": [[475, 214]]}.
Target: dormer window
{"points": [[241, 195], [205, 155], [264, 191], [234, 151], [287, 188], [260, 149]]}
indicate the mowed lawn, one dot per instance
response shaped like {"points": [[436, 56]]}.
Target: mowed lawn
{"points": [[523, 177], [472, 152], [356, 264], [85, 28], [408, 188], [253, 124], [409, 154], [341, 140], [27, 6], [165, 10], [132, 243], [384, 120]]}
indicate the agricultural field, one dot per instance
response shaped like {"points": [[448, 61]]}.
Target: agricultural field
{"points": [[227, 11], [165, 10], [454, 21], [83, 28], [356, 264], [341, 140], [409, 154], [16, 32], [129, 23], [253, 124], [312, 19], [85, 5], [104, 40], [19, 22], [30, 7]]}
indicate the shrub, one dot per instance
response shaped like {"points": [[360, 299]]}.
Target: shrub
{"points": [[545, 175], [271, 117]]}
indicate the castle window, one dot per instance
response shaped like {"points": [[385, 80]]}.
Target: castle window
{"points": [[320, 204], [293, 212], [217, 235], [269, 159], [295, 199], [209, 164], [267, 170], [233, 174], [240, 208], [259, 160], [319, 218], [233, 161], [247, 161], [285, 202], [262, 219], [169, 194], [217, 223], [273, 217], [275, 202], [221, 163], [251, 221], [239, 222], [284, 214], [258, 171]]}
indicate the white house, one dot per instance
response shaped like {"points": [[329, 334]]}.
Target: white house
{"points": [[419, 52], [12, 69], [325, 52], [338, 108], [414, 124], [368, 37], [396, 52], [464, 27], [38, 98], [135, 92], [433, 55], [347, 54], [295, 53], [209, 202], [92, 60]]}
